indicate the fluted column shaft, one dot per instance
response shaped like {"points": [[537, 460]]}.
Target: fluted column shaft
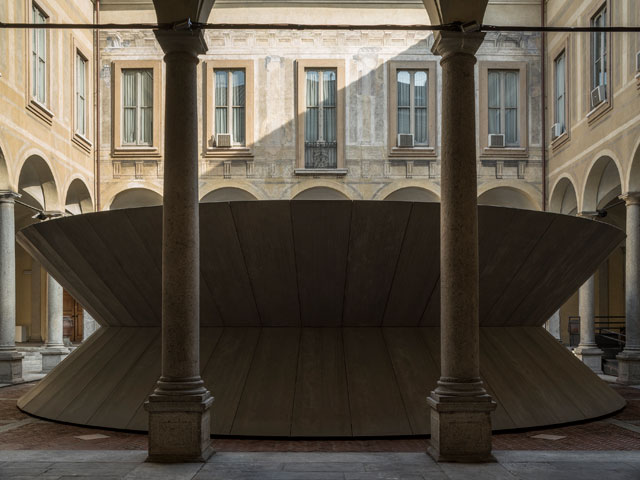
{"points": [[460, 407], [629, 359]]}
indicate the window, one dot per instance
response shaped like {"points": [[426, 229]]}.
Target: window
{"points": [[503, 105], [230, 101], [38, 57], [412, 89], [560, 93], [320, 146], [599, 54], [320, 117], [81, 95], [137, 106]]}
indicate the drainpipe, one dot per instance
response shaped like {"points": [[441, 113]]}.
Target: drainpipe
{"points": [[543, 100], [96, 76]]}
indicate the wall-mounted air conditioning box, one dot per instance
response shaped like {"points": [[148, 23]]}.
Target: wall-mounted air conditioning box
{"points": [[556, 130], [223, 140], [496, 140], [598, 95], [405, 140], [638, 62]]}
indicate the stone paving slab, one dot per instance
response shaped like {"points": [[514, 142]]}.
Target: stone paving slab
{"points": [[524, 465]]}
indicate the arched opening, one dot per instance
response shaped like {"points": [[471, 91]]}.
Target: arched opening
{"points": [[37, 188], [413, 194], [136, 197], [634, 174], [564, 198], [320, 193], [78, 200], [507, 197], [227, 194], [603, 185]]}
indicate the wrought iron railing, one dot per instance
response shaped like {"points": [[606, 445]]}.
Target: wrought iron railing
{"points": [[610, 331]]}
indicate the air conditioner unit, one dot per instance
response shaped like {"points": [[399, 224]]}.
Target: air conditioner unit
{"points": [[556, 130], [598, 95], [223, 140], [405, 140], [638, 62], [496, 140]]}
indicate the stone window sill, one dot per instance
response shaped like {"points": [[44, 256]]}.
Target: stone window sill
{"points": [[317, 172], [412, 153], [559, 141], [229, 153], [81, 141], [505, 152], [40, 111], [134, 151], [599, 111]]}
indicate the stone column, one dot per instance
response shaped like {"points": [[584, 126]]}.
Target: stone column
{"points": [[89, 325], [179, 408], [587, 350], [553, 325], [460, 406], [629, 359], [54, 349], [10, 359]]}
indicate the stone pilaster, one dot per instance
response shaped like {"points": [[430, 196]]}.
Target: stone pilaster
{"points": [[179, 408], [54, 349], [587, 350], [10, 359], [460, 406], [629, 359]]}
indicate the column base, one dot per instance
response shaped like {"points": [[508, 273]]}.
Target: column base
{"points": [[11, 367], [628, 368], [179, 428], [591, 356], [461, 428], [52, 357]]}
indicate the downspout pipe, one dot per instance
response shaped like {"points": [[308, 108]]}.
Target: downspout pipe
{"points": [[96, 77], [543, 100]]}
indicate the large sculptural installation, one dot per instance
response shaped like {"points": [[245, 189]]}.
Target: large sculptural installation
{"points": [[321, 319]]}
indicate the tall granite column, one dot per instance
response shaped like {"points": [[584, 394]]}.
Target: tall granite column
{"points": [[54, 349], [587, 350], [179, 408], [10, 359], [629, 359], [460, 406]]}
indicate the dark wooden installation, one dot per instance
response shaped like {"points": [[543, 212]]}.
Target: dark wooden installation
{"points": [[321, 318]]}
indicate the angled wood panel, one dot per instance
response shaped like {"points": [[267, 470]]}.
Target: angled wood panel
{"points": [[417, 270], [321, 406], [266, 404], [377, 407], [224, 270], [266, 239], [377, 231], [321, 234]]}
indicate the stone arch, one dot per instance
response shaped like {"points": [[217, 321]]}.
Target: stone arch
{"points": [[512, 194], [135, 197], [5, 177], [413, 194], [320, 193], [326, 186], [564, 196], [78, 198], [227, 194], [37, 184], [228, 188], [603, 184], [633, 183]]}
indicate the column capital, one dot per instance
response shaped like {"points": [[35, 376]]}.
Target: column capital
{"points": [[630, 198], [8, 196], [190, 42], [451, 43]]}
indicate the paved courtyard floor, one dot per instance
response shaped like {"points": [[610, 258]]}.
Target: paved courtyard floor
{"points": [[604, 449]]}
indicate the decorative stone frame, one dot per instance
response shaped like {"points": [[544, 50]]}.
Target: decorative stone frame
{"points": [[118, 149], [240, 153], [562, 47], [38, 109], [603, 108], [483, 112], [78, 139], [301, 66], [419, 152]]}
